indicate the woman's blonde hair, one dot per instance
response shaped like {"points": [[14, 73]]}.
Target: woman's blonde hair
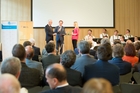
{"points": [[97, 85], [76, 24]]}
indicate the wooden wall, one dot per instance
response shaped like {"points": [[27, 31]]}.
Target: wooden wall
{"points": [[127, 15]]}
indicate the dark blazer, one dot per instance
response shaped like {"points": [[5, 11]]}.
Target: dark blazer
{"points": [[66, 89], [125, 67], [102, 69], [49, 33], [36, 65], [74, 77], [60, 35], [36, 53], [50, 59], [82, 61], [29, 77]]}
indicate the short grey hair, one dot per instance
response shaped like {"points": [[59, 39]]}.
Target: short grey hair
{"points": [[68, 58], [105, 40], [118, 50], [84, 47], [11, 65]]}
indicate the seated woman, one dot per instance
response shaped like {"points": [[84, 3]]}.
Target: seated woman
{"points": [[97, 85], [130, 54], [118, 52], [74, 77]]}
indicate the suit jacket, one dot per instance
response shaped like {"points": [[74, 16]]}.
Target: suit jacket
{"points": [[60, 35], [36, 65], [66, 89], [50, 59], [125, 67], [71, 74], [29, 77], [82, 61], [49, 33], [36, 53], [102, 69]]}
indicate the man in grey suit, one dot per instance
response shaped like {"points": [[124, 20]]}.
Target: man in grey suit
{"points": [[60, 30], [85, 57], [33, 64]]}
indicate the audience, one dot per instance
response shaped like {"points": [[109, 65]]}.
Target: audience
{"points": [[97, 85], [52, 57], [27, 43], [37, 53], [57, 78], [117, 54], [122, 39], [105, 41], [29, 77], [136, 39], [85, 57], [33, 64], [12, 66], [9, 84], [102, 68], [44, 52], [137, 47], [67, 60], [130, 54]]}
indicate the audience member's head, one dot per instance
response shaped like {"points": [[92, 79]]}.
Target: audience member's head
{"points": [[136, 39], [117, 41], [137, 45], [9, 84], [50, 47], [90, 43], [56, 75], [104, 52], [27, 43], [105, 40], [12, 66], [129, 41], [19, 52], [129, 49], [83, 47], [122, 38], [97, 85], [118, 50], [29, 52], [32, 41], [68, 58]]}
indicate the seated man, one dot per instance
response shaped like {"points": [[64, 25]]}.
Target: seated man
{"points": [[7, 66], [57, 78], [127, 35], [9, 84], [104, 34], [85, 57], [118, 53], [102, 68], [113, 37], [33, 64], [52, 57], [67, 60], [36, 50], [29, 77]]}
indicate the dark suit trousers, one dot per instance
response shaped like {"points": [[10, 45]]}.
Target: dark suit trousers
{"points": [[59, 46]]}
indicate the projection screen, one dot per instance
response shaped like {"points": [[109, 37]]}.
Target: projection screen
{"points": [[88, 13]]}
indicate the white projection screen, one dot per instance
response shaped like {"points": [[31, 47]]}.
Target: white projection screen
{"points": [[88, 13]]}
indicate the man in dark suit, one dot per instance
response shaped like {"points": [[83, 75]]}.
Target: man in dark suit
{"points": [[29, 77], [85, 57], [67, 60], [33, 64], [49, 31], [60, 32], [36, 50], [57, 78], [52, 57], [102, 68], [118, 52]]}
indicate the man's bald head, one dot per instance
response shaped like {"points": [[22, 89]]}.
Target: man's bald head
{"points": [[29, 52], [49, 22], [56, 71], [9, 84]]}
